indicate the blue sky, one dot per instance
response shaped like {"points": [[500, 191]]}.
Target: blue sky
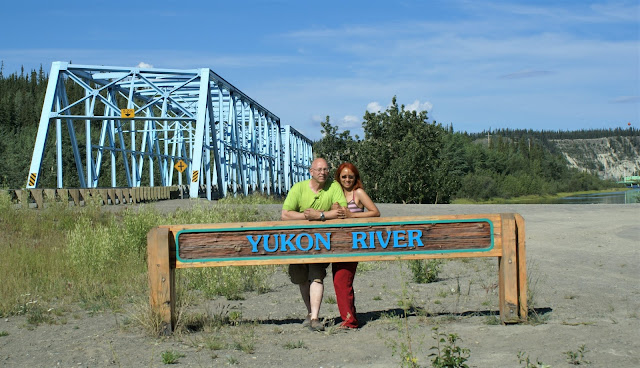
{"points": [[553, 65]]}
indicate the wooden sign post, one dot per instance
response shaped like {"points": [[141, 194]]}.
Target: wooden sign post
{"points": [[351, 240]]}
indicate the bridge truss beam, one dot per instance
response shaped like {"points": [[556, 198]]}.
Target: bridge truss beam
{"points": [[142, 122]]}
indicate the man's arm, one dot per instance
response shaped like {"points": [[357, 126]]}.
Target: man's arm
{"points": [[313, 215], [336, 212], [287, 215]]}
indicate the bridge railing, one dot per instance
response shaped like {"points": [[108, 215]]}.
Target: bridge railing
{"points": [[36, 198]]}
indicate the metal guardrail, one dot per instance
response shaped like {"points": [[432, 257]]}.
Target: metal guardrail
{"points": [[37, 198]]}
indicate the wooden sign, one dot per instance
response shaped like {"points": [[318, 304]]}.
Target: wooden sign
{"points": [[333, 239], [502, 236]]}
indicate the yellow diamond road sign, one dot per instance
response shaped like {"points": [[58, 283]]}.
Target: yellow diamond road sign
{"points": [[180, 166], [127, 113]]}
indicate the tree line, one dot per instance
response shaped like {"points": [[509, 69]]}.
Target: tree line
{"points": [[546, 135], [21, 99]]}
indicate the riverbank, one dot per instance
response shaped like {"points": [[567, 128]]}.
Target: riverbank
{"points": [[542, 199]]}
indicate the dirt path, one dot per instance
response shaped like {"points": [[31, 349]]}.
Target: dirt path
{"points": [[584, 262]]}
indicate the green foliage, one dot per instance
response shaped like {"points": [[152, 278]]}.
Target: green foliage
{"points": [[171, 357], [93, 248], [295, 345], [231, 360], [403, 345], [136, 224], [425, 271], [68, 254], [336, 147], [229, 282], [244, 339], [214, 342], [400, 156], [524, 359], [447, 353], [254, 198], [577, 357], [35, 312], [404, 158], [21, 99]]}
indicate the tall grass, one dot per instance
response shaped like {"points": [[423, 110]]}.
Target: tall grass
{"points": [[61, 255]]}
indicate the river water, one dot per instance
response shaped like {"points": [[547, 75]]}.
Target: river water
{"points": [[623, 197]]}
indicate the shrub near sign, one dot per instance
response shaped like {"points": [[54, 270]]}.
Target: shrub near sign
{"points": [[349, 240]]}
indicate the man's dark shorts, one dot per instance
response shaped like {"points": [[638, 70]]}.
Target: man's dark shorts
{"points": [[301, 273]]}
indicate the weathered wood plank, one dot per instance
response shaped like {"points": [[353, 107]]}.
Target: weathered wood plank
{"points": [[522, 268], [508, 272], [119, 195], [126, 195], [38, 197], [50, 195], [23, 197], [161, 278], [75, 196], [111, 194], [85, 194], [442, 237], [63, 194]]}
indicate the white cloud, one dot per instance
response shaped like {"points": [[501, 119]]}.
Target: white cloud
{"points": [[350, 122], [419, 106], [374, 107], [317, 119], [142, 64]]}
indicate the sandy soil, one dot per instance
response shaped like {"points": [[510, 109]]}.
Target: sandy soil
{"points": [[584, 266]]}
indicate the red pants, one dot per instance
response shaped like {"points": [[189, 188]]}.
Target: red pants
{"points": [[343, 274]]}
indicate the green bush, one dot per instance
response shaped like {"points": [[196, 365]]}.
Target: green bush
{"points": [[229, 282], [447, 353], [425, 271], [62, 254]]}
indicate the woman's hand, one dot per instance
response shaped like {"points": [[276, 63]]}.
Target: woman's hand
{"points": [[341, 212]]}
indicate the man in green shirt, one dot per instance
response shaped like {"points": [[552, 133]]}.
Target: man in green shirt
{"points": [[312, 200]]}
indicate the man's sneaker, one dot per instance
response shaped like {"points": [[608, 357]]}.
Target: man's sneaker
{"points": [[316, 325], [307, 321]]}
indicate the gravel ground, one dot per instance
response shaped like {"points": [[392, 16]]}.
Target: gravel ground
{"points": [[583, 262]]}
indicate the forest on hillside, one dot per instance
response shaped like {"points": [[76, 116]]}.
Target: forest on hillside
{"points": [[547, 135], [21, 99], [404, 157]]}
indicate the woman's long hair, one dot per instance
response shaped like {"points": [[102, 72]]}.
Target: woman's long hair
{"points": [[350, 166]]}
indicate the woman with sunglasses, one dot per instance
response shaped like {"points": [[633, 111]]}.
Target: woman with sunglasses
{"points": [[344, 272]]}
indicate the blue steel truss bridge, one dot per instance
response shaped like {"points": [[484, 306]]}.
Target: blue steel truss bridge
{"points": [[160, 127]]}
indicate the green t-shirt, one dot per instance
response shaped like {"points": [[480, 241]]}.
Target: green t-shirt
{"points": [[301, 197]]}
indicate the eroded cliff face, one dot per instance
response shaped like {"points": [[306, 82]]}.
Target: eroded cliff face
{"points": [[609, 158]]}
